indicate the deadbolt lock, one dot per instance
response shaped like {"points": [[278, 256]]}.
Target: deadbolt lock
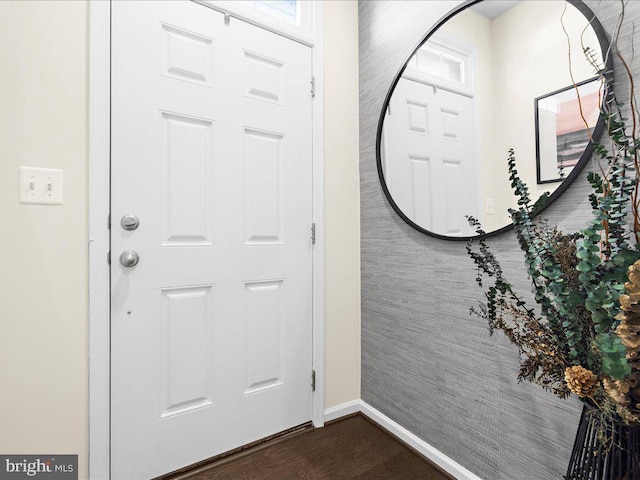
{"points": [[129, 222]]}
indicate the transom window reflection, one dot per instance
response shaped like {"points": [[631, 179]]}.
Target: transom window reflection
{"points": [[438, 64]]}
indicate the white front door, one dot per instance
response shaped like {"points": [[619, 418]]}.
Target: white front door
{"points": [[211, 151], [429, 161]]}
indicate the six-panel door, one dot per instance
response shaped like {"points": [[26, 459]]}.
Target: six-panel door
{"points": [[429, 162], [211, 150]]}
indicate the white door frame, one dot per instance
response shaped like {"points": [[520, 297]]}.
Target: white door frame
{"points": [[99, 234]]}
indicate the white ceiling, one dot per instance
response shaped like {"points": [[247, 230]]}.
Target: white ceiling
{"points": [[493, 8]]}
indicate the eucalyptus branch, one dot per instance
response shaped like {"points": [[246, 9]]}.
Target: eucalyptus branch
{"points": [[584, 337]]}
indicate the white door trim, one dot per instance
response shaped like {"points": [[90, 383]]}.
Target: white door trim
{"points": [[99, 208], [317, 50], [99, 201]]}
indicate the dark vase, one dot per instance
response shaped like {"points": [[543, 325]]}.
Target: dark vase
{"points": [[617, 458]]}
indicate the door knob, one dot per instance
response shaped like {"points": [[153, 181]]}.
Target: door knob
{"points": [[129, 222], [129, 258]]}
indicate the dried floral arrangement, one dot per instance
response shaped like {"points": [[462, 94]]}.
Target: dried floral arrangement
{"points": [[584, 335]]}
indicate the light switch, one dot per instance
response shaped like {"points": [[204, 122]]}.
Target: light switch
{"points": [[489, 206], [40, 186]]}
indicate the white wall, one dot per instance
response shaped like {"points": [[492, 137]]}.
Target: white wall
{"points": [[342, 194], [43, 264], [43, 279], [530, 60]]}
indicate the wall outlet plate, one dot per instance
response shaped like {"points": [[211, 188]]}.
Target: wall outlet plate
{"points": [[40, 186]]}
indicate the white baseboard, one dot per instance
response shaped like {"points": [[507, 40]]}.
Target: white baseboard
{"points": [[342, 410], [395, 429], [433, 454]]}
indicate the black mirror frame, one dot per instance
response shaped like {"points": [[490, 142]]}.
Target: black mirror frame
{"points": [[586, 155]]}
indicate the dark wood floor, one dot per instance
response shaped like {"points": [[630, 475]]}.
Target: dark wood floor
{"points": [[353, 448]]}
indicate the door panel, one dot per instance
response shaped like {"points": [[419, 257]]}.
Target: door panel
{"points": [[186, 349], [264, 208], [211, 149], [186, 180]]}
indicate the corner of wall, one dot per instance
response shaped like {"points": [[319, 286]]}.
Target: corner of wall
{"points": [[342, 199]]}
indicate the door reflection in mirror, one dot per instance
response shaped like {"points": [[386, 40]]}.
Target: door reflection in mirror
{"points": [[466, 97]]}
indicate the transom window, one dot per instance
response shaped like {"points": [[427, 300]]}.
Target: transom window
{"points": [[292, 18], [284, 9]]}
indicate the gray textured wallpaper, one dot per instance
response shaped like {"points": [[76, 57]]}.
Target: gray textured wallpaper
{"points": [[426, 363]]}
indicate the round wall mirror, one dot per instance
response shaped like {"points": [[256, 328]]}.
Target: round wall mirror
{"points": [[492, 75]]}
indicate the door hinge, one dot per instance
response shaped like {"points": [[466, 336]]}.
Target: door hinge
{"points": [[388, 109], [313, 86], [313, 380], [109, 257], [313, 232], [109, 222], [227, 19]]}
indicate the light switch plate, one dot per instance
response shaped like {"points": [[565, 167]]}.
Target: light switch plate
{"points": [[489, 206], [40, 186]]}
